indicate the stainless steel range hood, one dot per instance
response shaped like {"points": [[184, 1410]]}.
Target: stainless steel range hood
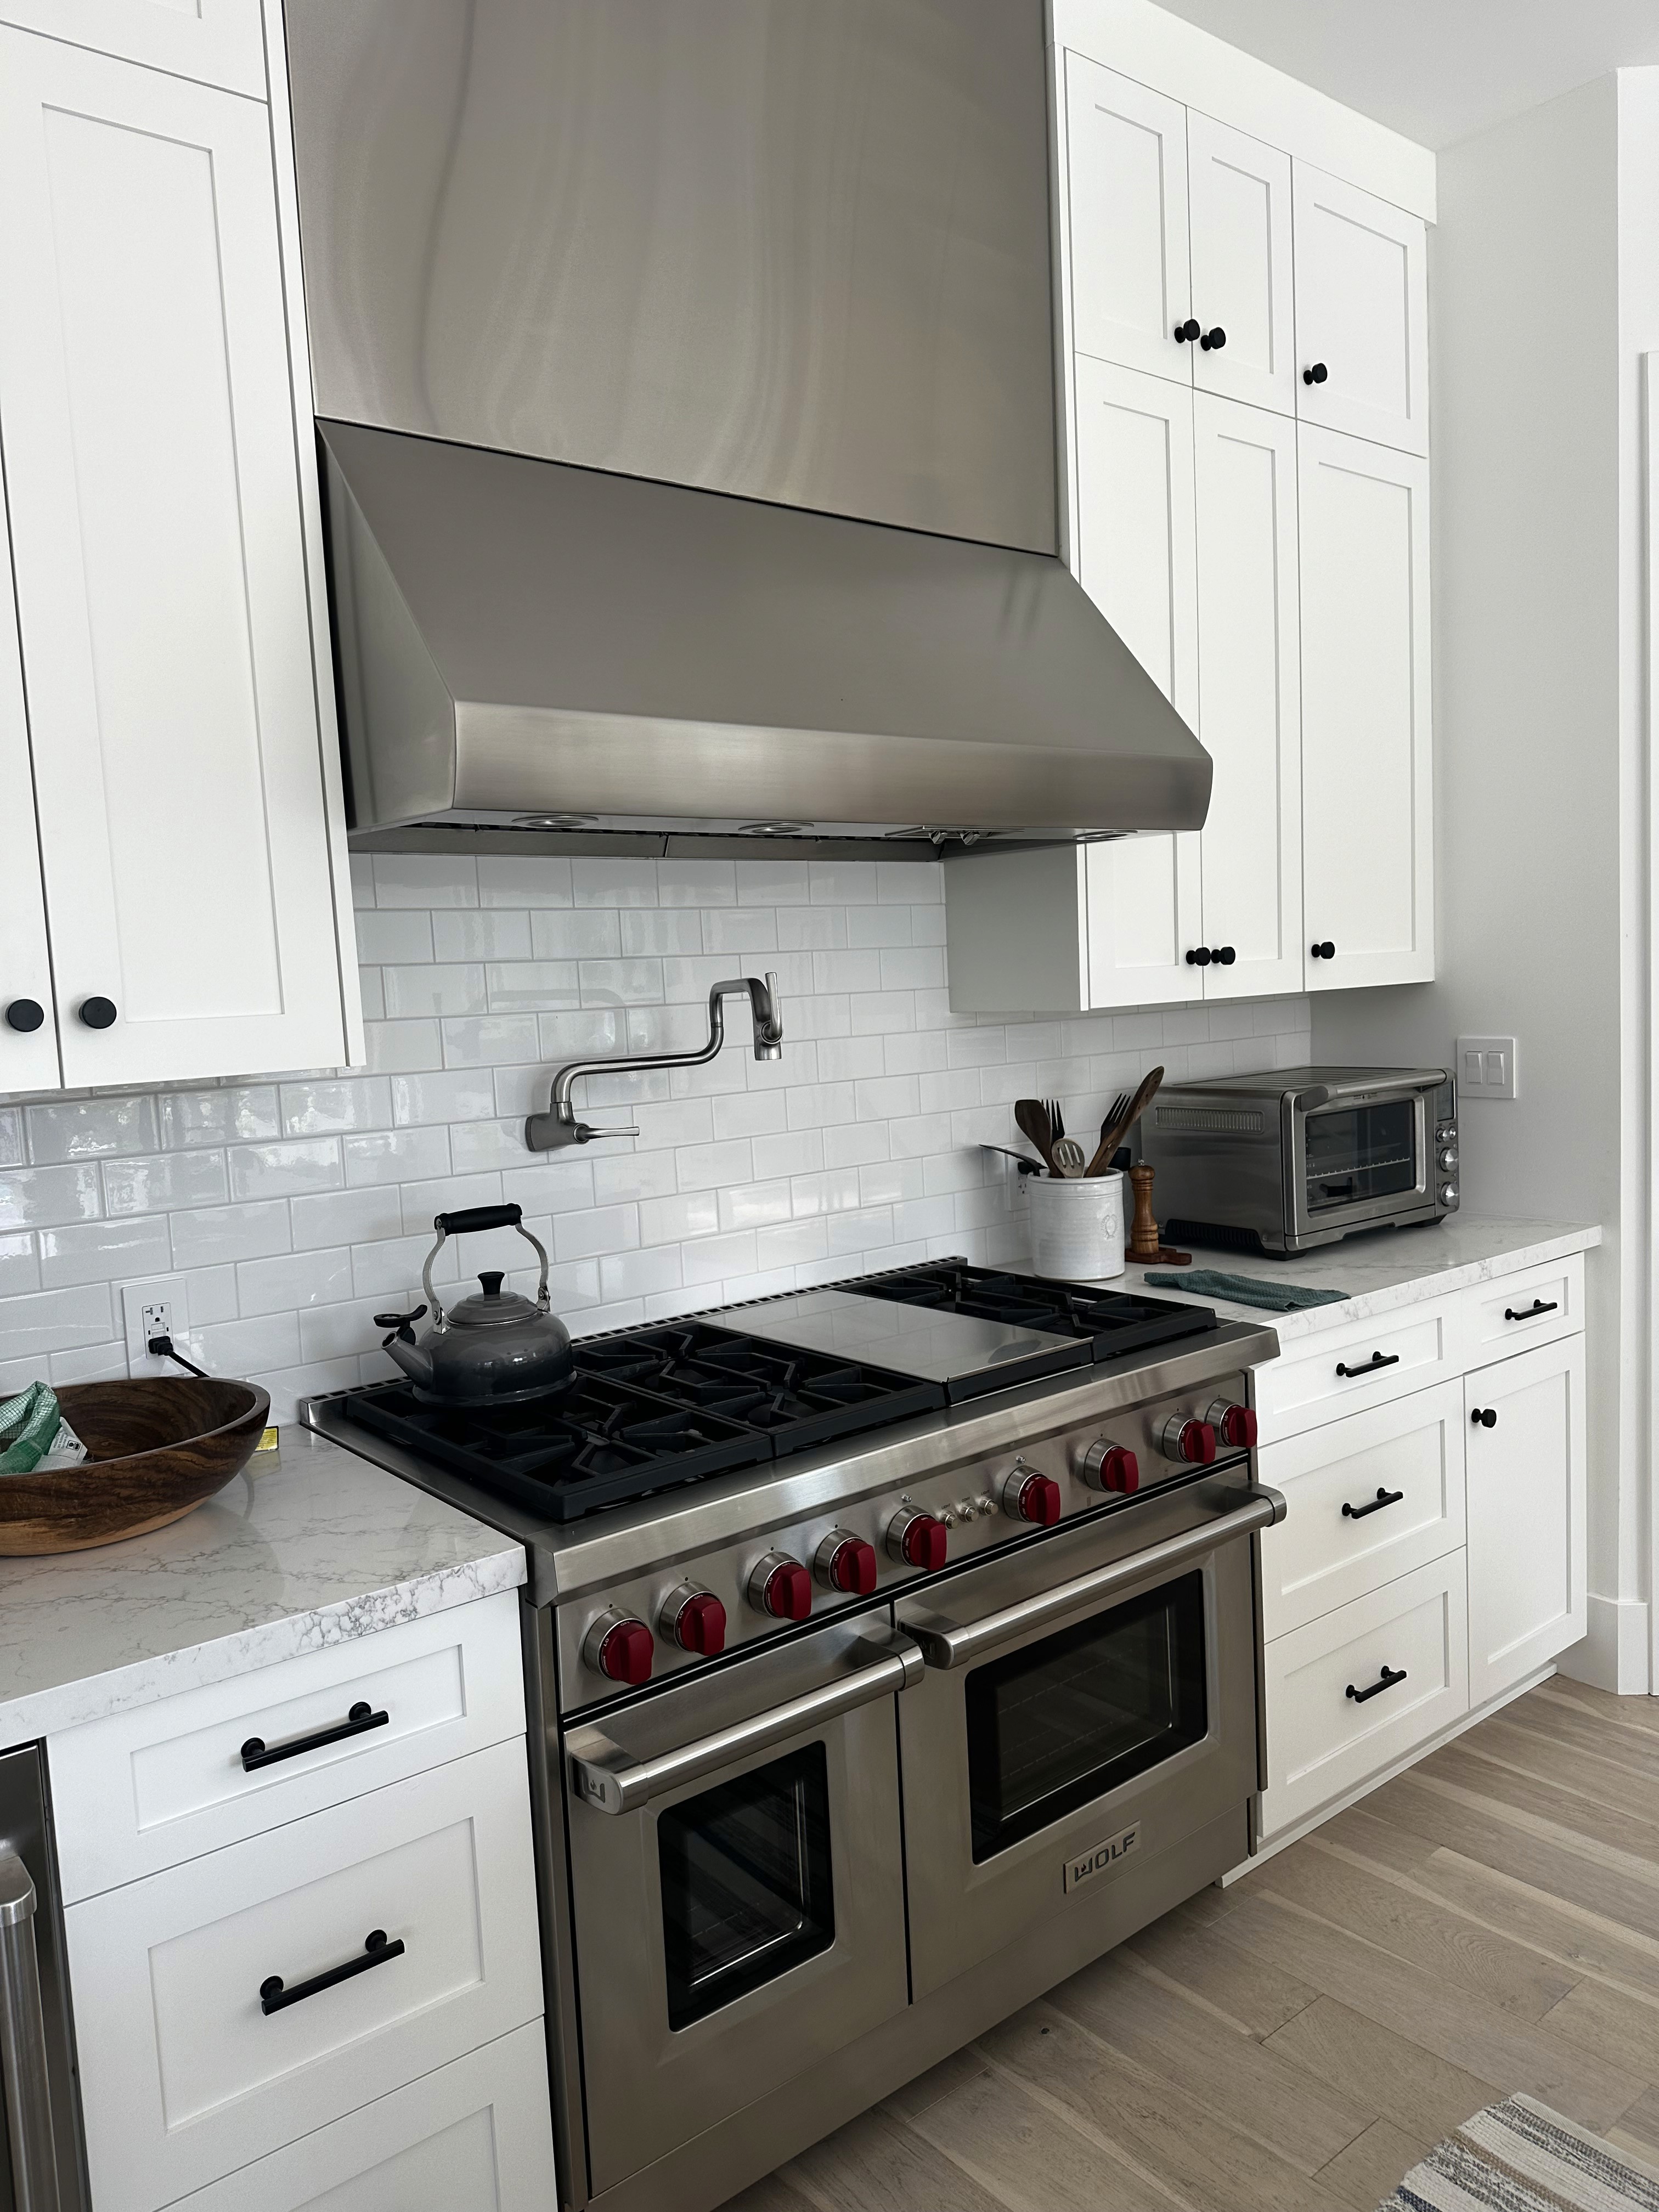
{"points": [[687, 394]]}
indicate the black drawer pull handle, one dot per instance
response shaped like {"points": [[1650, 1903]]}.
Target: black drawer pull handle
{"points": [[358, 1722], [1485, 1417], [1377, 1359], [1382, 1497], [273, 1997], [1389, 1677], [1538, 1306]]}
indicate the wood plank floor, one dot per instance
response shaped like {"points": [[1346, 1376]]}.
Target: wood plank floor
{"points": [[1488, 1923]]}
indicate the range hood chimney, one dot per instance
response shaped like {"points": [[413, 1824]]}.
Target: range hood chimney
{"points": [[687, 398]]}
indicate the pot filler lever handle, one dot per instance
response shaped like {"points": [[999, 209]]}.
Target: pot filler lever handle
{"points": [[945, 1644], [611, 1780]]}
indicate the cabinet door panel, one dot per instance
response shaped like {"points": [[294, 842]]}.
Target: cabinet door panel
{"points": [[1240, 199], [216, 41], [1361, 311], [1137, 559], [1368, 868], [1527, 1507], [1126, 196], [1251, 687], [151, 466], [29, 1058]]}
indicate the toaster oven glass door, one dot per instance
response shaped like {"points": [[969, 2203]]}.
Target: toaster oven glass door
{"points": [[1359, 1152]]}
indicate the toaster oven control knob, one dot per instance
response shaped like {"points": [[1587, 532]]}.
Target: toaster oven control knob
{"points": [[1447, 1157], [693, 1618], [619, 1648], [1107, 1466], [780, 1586], [1029, 1496], [846, 1563], [1449, 1194], [917, 1540], [1234, 1424], [1185, 1439]]}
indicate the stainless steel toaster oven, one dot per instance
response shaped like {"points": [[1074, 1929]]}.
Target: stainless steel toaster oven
{"points": [[1300, 1156]]}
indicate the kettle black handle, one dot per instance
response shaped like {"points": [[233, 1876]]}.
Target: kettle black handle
{"points": [[471, 1217]]}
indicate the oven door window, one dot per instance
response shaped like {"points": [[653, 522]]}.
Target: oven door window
{"points": [[1357, 1152], [1061, 1722], [746, 1891]]}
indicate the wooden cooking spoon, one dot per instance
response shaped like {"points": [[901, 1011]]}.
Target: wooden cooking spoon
{"points": [[1114, 1137], [1032, 1117]]}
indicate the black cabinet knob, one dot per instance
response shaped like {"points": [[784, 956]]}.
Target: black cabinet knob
{"points": [[1485, 1417], [97, 1014], [1316, 374], [1199, 957], [1212, 340], [1186, 332], [25, 1014], [1222, 955], [1325, 951]]}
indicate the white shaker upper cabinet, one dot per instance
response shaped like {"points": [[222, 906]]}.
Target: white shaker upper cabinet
{"points": [[1368, 864], [1362, 314], [1239, 195], [28, 1027], [153, 474], [1249, 686], [1137, 557], [214, 41], [1126, 201]]}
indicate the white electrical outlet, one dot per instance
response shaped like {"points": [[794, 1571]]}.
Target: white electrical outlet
{"points": [[159, 1306], [1485, 1067]]}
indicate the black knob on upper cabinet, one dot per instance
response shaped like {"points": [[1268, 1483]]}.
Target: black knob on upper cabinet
{"points": [[1212, 340], [1316, 374], [1326, 950], [1200, 957], [1485, 1417], [1186, 332], [25, 1014], [97, 1014], [1222, 955]]}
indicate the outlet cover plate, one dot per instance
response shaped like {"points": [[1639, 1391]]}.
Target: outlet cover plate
{"points": [[1485, 1067], [172, 1291]]}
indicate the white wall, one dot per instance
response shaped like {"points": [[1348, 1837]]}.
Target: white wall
{"points": [[294, 1208], [1538, 748]]}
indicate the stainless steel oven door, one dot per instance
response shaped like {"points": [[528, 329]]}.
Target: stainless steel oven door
{"points": [[1086, 1701], [1360, 1153], [737, 1877]]}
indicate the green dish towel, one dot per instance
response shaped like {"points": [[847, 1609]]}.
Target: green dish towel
{"points": [[1245, 1290], [34, 1433]]}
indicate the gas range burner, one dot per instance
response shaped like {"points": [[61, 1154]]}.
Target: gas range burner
{"points": [[647, 1411], [1112, 1322]]}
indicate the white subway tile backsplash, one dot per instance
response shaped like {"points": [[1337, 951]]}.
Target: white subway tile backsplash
{"points": [[94, 1363], [296, 1210], [40, 1322], [88, 1128]]}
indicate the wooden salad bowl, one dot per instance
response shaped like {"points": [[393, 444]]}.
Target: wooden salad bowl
{"points": [[157, 1448]]}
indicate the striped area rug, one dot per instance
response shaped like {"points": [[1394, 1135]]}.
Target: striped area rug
{"points": [[1519, 2156]]}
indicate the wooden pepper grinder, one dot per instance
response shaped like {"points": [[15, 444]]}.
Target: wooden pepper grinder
{"points": [[1145, 1245]]}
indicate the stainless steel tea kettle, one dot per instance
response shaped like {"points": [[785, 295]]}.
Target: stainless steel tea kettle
{"points": [[494, 1348]]}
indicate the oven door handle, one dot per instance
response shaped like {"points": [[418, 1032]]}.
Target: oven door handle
{"points": [[945, 1645], [612, 1781]]}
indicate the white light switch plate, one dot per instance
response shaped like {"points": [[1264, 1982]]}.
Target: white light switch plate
{"points": [[169, 1290], [1485, 1067]]}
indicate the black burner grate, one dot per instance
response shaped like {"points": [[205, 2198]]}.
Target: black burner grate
{"points": [[1112, 1322], [646, 1410]]}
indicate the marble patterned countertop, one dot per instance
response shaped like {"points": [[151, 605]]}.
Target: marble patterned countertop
{"points": [[317, 1548], [1385, 1270]]}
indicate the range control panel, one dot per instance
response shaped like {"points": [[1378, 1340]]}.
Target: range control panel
{"points": [[693, 1612]]}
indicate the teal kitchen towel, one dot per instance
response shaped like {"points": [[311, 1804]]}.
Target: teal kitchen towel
{"points": [[1245, 1290]]}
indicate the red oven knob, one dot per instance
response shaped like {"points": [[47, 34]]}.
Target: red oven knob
{"points": [[693, 1618], [780, 1586], [619, 1648], [1186, 1439], [1029, 1496], [1107, 1466], [917, 1540], [1234, 1424], [846, 1563]]}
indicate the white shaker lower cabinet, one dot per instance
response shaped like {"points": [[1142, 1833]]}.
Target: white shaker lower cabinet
{"points": [[1527, 1513], [1431, 1558], [1367, 768], [154, 479]]}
